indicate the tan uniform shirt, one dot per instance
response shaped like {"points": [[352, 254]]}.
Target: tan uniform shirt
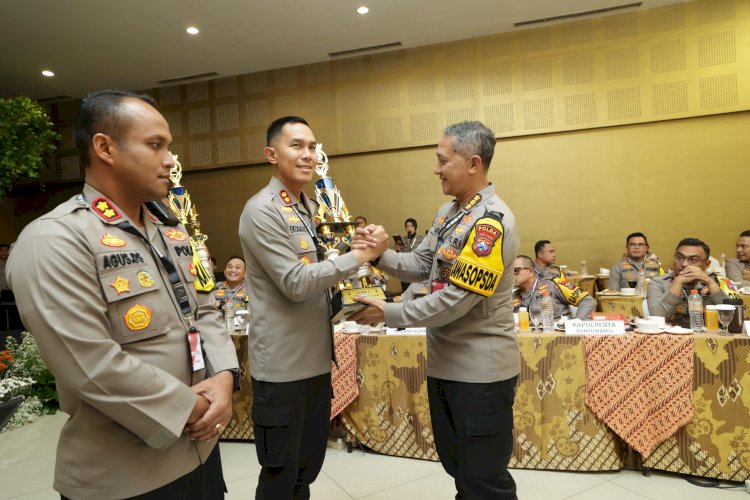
{"points": [[626, 271], [411, 244], [547, 272], [584, 302], [470, 337], [108, 327], [290, 331], [734, 270], [662, 302]]}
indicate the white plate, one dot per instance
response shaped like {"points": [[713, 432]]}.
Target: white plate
{"points": [[658, 330], [678, 330]]}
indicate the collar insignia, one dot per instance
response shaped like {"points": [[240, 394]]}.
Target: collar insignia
{"points": [[110, 240], [175, 235], [145, 279], [285, 197], [104, 209], [121, 285], [138, 317]]}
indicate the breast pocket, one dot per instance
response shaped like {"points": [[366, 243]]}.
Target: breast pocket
{"points": [[136, 304]]}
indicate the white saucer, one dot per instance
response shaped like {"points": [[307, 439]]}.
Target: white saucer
{"points": [[678, 330], [658, 330]]}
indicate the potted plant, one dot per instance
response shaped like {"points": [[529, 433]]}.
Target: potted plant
{"points": [[26, 136]]}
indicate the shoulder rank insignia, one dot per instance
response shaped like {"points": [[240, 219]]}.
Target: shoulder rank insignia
{"points": [[176, 235], [145, 279], [110, 240], [121, 285], [473, 201], [285, 197], [303, 244], [105, 209], [138, 317], [305, 259]]}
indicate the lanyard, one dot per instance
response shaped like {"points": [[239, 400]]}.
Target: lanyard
{"points": [[636, 266], [178, 287], [318, 248], [227, 297], [531, 293]]}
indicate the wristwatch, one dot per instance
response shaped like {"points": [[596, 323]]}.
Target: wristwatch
{"points": [[235, 378]]}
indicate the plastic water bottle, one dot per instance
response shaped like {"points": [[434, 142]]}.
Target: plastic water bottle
{"points": [[584, 269], [548, 313], [229, 316], [695, 308], [640, 287]]}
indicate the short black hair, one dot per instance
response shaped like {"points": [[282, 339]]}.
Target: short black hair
{"points": [[103, 112], [526, 259], [635, 235], [413, 222], [539, 246], [236, 257], [4, 245], [745, 234], [361, 217], [694, 242], [274, 129]]}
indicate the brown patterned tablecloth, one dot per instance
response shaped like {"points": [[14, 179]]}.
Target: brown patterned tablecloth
{"points": [[640, 385], [344, 377]]}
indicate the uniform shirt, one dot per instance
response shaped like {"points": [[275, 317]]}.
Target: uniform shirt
{"points": [[238, 296], [734, 270], [411, 243], [564, 295], [470, 336], [103, 313], [547, 272], [290, 332], [661, 302], [626, 271]]}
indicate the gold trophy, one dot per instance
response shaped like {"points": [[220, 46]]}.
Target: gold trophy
{"points": [[183, 208], [335, 228]]}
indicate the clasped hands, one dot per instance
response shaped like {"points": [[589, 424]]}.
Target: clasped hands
{"points": [[372, 240], [693, 274], [213, 407]]}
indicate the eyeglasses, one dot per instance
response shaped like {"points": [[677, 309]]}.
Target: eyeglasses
{"points": [[636, 244], [692, 260], [517, 270]]}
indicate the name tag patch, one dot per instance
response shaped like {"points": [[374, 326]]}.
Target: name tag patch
{"points": [[122, 259]]}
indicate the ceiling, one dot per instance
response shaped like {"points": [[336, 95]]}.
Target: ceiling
{"points": [[133, 44]]}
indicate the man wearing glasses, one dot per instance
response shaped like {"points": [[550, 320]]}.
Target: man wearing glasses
{"points": [[637, 258], [738, 270], [531, 291], [668, 294]]}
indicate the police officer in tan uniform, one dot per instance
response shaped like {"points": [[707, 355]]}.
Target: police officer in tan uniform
{"points": [[668, 294], [544, 263], [738, 268], [290, 338], [637, 259], [473, 358], [106, 288]]}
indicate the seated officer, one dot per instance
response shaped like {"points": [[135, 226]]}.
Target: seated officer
{"points": [[545, 260], [637, 258], [531, 290], [738, 270], [668, 294]]}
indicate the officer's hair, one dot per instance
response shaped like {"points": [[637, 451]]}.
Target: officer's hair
{"points": [[473, 138], [539, 246], [745, 234], [361, 217], [4, 245], [274, 129], [235, 257], [694, 242], [413, 222], [635, 235], [527, 260], [103, 112]]}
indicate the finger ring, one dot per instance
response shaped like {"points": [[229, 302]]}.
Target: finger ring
{"points": [[220, 428]]}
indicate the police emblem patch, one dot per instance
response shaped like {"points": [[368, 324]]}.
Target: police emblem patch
{"points": [[104, 209], [145, 279], [485, 239], [305, 259], [110, 240], [176, 235], [138, 317], [303, 244], [449, 253], [121, 285]]}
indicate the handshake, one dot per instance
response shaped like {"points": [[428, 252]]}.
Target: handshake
{"points": [[369, 243]]}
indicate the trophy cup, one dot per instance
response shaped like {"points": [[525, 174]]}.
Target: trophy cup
{"points": [[183, 208], [335, 229]]}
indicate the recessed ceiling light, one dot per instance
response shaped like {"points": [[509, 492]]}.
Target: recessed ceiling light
{"points": [[48, 73], [192, 30], [363, 10]]}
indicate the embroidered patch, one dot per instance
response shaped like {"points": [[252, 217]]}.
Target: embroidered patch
{"points": [[449, 253], [138, 317], [287, 209], [293, 218], [474, 200], [303, 245], [121, 285], [459, 230], [305, 259], [176, 235], [467, 219], [145, 279], [110, 240], [486, 235], [441, 221], [191, 268], [285, 197], [105, 209]]}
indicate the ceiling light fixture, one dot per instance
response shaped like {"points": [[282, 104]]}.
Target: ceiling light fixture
{"points": [[192, 30], [363, 10], [48, 73]]}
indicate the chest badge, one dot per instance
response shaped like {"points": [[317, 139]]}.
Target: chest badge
{"points": [[138, 317], [303, 244], [449, 253], [105, 210], [176, 235], [192, 270], [293, 218], [287, 209], [305, 259], [121, 285], [467, 219], [459, 230], [110, 240], [145, 279]]}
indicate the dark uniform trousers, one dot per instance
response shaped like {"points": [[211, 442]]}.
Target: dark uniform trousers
{"points": [[206, 482], [291, 421], [473, 427]]}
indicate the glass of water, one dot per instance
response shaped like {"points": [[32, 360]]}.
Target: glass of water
{"points": [[726, 315], [535, 315]]}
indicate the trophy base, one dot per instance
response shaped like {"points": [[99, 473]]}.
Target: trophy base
{"points": [[344, 305]]}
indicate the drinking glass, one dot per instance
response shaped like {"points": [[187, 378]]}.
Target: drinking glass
{"points": [[535, 315], [725, 317], [632, 284]]}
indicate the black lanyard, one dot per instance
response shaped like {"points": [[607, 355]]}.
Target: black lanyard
{"points": [[178, 287], [318, 247]]}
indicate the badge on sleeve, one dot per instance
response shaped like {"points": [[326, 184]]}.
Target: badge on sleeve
{"points": [[305, 259], [138, 317], [110, 240], [573, 295], [121, 285], [104, 209], [145, 279], [176, 235], [480, 265]]}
